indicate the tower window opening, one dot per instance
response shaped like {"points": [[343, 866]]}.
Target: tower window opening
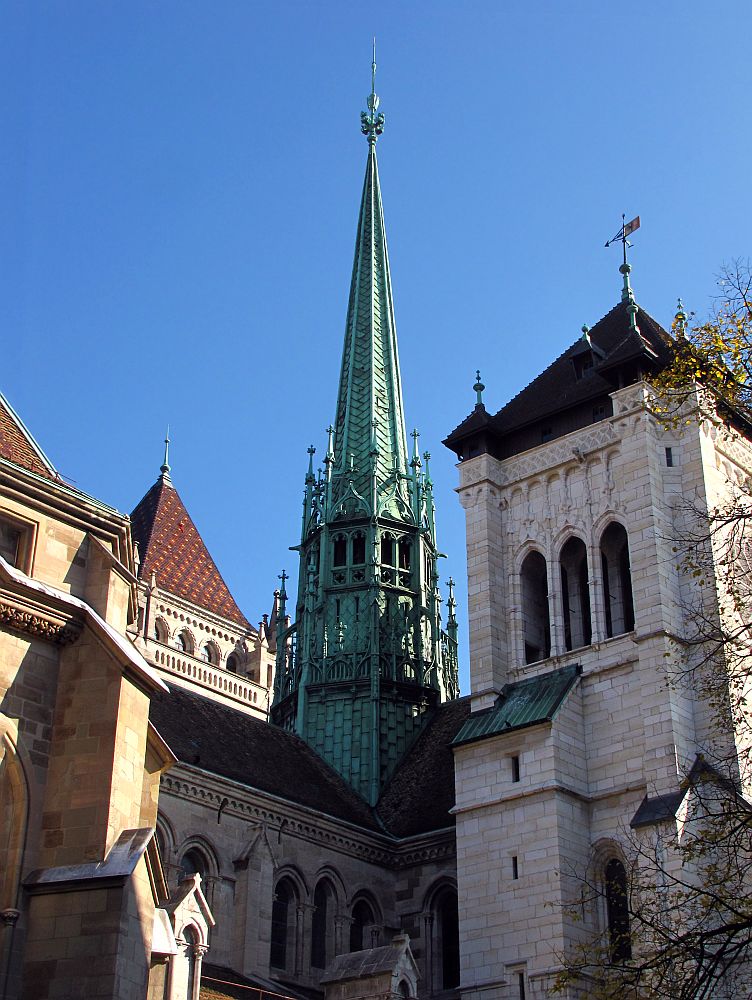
{"points": [[387, 550], [617, 910], [670, 458], [232, 663], [209, 654], [617, 580], [536, 623], [339, 557], [515, 762], [10, 543], [358, 548], [575, 591], [404, 553], [515, 867]]}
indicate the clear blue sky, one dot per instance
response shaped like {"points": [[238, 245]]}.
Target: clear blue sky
{"points": [[180, 184]]}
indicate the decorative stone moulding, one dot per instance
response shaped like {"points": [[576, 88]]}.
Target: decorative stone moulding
{"points": [[39, 624]]}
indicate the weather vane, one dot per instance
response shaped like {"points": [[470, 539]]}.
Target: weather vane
{"points": [[371, 123], [627, 228]]}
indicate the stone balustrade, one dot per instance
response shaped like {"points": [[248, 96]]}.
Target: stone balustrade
{"points": [[206, 675]]}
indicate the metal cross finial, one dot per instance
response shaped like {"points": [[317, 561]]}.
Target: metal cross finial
{"points": [[372, 121], [478, 387], [681, 318]]}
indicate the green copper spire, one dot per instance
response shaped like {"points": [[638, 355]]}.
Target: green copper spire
{"points": [[367, 658], [369, 385]]}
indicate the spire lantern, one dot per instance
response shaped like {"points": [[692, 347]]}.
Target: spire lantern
{"points": [[680, 320]]}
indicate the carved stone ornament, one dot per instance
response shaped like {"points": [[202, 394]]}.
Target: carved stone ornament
{"points": [[60, 632]]}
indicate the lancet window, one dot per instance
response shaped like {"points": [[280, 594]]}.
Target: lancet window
{"points": [[575, 593], [617, 580], [283, 925], [447, 939], [616, 892], [322, 925], [536, 623]]}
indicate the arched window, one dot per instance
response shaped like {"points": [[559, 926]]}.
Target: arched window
{"points": [[536, 624], [322, 926], [617, 580], [362, 922], [403, 990], [194, 862], [404, 553], [283, 924], [160, 631], [575, 592], [209, 653], [617, 910], [232, 663], [184, 642], [447, 939]]}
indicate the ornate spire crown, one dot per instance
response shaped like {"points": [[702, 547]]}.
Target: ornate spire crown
{"points": [[372, 121]]}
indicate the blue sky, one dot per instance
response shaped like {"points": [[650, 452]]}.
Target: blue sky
{"points": [[180, 185]]}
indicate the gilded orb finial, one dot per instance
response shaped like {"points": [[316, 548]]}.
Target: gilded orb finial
{"points": [[372, 121]]}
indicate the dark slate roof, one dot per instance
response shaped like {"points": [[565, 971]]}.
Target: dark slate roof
{"points": [[421, 791], [230, 743], [362, 964], [521, 704], [171, 547], [18, 446], [220, 983], [657, 808], [558, 387]]}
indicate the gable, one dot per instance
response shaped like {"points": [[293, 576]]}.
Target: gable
{"points": [[18, 446]]}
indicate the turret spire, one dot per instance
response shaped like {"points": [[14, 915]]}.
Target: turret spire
{"points": [[627, 295]]}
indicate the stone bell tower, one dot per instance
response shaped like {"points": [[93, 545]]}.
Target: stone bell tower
{"points": [[366, 657]]}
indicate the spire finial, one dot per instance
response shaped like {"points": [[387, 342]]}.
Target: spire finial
{"points": [[478, 387], [627, 295], [165, 467], [371, 122]]}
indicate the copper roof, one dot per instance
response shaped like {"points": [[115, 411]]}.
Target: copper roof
{"points": [[18, 446], [171, 547]]}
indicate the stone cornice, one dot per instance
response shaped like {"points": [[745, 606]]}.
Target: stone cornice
{"points": [[38, 621], [291, 819]]}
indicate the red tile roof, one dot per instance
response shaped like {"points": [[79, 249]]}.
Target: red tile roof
{"points": [[171, 547], [17, 445]]}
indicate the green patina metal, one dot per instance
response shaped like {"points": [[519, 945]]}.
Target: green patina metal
{"points": [[521, 704], [366, 658]]}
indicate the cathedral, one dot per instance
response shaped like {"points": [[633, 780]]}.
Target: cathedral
{"points": [[197, 806]]}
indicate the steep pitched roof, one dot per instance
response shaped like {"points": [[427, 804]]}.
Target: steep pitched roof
{"points": [[559, 387], [18, 446], [170, 546], [421, 791], [218, 738]]}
